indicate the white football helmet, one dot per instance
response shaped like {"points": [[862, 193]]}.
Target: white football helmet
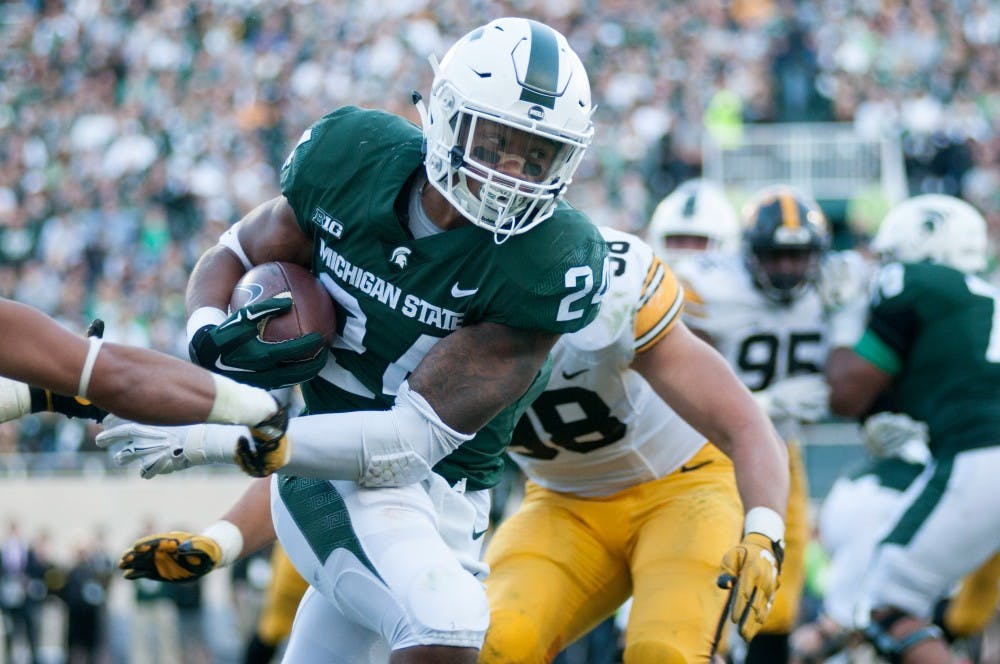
{"points": [[507, 123], [697, 209], [936, 228]]}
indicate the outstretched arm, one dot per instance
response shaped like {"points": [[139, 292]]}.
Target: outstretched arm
{"points": [[454, 391], [134, 383], [182, 556], [696, 382]]}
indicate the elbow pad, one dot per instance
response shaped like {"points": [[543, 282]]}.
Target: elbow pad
{"points": [[383, 448]]}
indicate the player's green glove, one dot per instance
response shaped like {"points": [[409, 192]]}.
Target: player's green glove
{"points": [[172, 556], [267, 448], [235, 349], [751, 570]]}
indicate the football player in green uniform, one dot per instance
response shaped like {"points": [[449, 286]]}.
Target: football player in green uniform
{"points": [[454, 265], [932, 341]]}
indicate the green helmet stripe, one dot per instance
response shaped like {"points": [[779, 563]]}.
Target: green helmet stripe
{"points": [[689, 205], [542, 78]]}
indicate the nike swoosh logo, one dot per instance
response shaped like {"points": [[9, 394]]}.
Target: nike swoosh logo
{"points": [[695, 466], [571, 376], [261, 314], [462, 292], [476, 534], [250, 316], [225, 367], [255, 291]]}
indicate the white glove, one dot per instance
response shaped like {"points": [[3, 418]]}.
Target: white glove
{"points": [[805, 398], [163, 450], [843, 278], [896, 434]]}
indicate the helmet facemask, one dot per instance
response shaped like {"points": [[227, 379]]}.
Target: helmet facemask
{"points": [[503, 176], [784, 274]]}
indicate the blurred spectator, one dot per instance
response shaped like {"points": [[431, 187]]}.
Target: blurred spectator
{"points": [[154, 634], [85, 593], [187, 598], [21, 589]]}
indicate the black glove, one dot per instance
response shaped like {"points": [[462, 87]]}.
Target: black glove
{"points": [[234, 349], [43, 401]]}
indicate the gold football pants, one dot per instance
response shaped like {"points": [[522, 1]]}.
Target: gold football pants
{"points": [[281, 599], [561, 564], [976, 601]]}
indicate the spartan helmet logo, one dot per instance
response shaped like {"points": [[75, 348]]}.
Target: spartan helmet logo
{"points": [[400, 257]]}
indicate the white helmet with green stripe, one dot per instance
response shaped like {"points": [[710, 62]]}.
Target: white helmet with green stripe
{"points": [[936, 228], [507, 123]]}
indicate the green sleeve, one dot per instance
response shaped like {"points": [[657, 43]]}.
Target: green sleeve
{"points": [[871, 348]]}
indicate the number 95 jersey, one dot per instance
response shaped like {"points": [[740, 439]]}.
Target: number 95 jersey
{"points": [[762, 340], [598, 427]]}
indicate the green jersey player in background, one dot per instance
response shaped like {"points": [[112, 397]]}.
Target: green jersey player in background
{"points": [[455, 266], [933, 342]]}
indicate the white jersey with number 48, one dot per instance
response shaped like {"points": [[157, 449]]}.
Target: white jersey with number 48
{"points": [[598, 427]]}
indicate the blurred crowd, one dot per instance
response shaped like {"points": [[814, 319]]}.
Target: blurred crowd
{"points": [[133, 132], [77, 609]]}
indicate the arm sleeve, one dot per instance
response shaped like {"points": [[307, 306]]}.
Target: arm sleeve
{"points": [[375, 448]]}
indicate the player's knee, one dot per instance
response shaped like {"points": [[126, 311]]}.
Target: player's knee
{"points": [[458, 617], [513, 638], [653, 652]]}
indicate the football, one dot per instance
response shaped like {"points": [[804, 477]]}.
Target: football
{"points": [[312, 307]]}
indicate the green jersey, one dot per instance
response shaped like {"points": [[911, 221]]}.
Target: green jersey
{"points": [[349, 182], [937, 330]]}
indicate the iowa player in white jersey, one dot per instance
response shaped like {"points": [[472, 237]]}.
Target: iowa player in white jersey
{"points": [[763, 311], [626, 498]]}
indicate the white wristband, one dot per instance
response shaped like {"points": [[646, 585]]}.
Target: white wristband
{"points": [[88, 365], [204, 316], [765, 521], [229, 538], [15, 399]]}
